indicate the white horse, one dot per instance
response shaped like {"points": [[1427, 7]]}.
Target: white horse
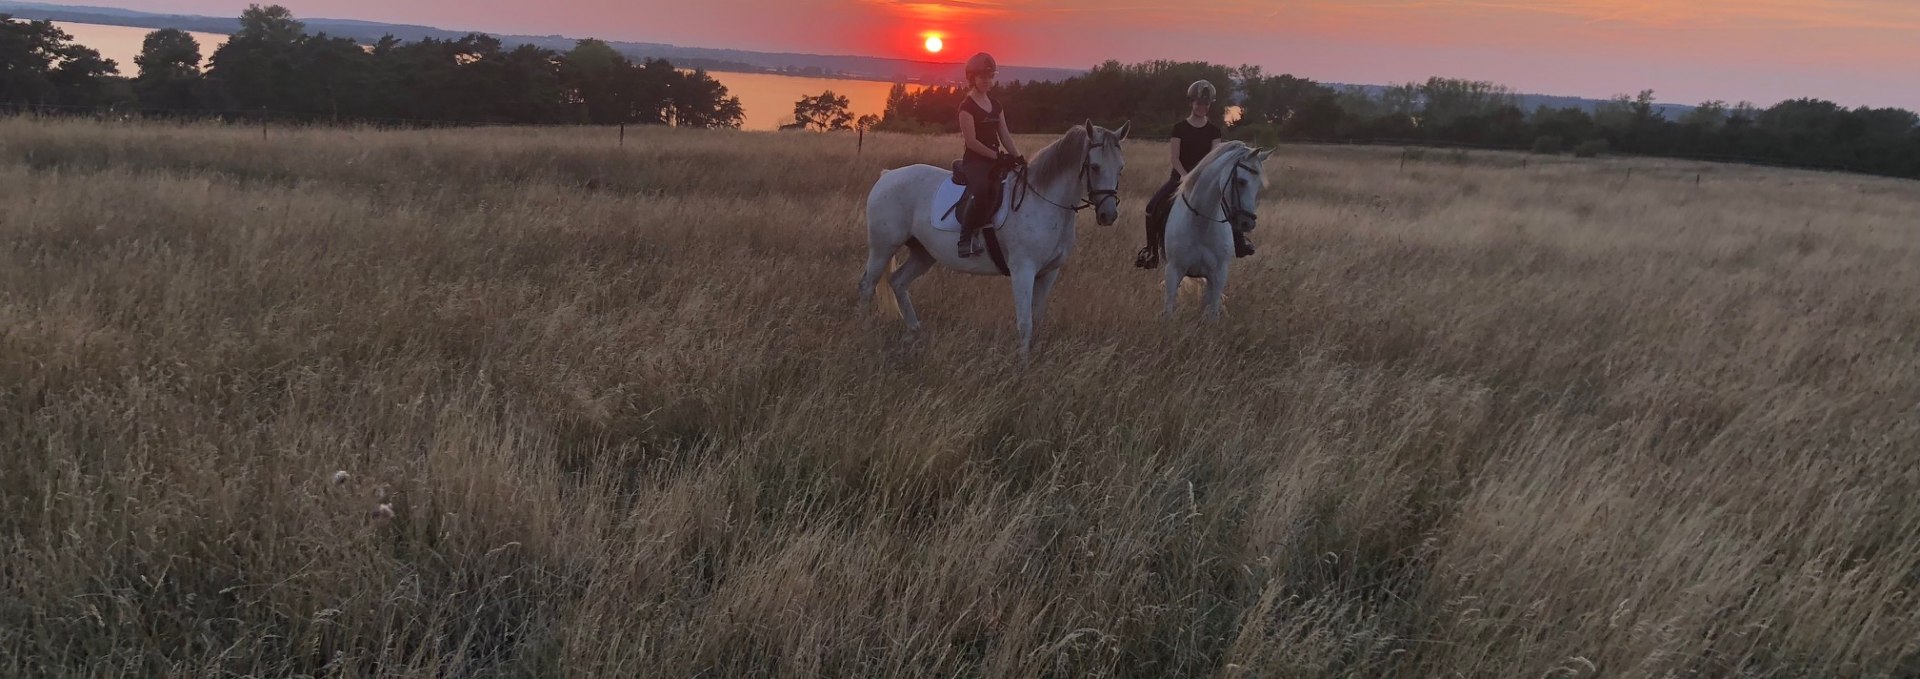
{"points": [[1035, 222], [1221, 194]]}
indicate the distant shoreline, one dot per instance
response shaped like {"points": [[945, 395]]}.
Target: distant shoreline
{"points": [[717, 60]]}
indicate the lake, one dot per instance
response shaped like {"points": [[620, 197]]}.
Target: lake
{"points": [[767, 98], [122, 43]]}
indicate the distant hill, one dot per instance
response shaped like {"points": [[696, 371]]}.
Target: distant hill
{"points": [[1529, 102], [712, 59]]}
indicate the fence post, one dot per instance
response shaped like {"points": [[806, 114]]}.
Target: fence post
{"points": [[623, 135], [861, 146], [263, 123]]}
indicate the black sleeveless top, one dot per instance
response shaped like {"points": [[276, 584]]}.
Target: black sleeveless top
{"points": [[986, 126], [1195, 142]]}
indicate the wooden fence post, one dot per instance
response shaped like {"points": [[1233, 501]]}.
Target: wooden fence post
{"points": [[623, 135]]}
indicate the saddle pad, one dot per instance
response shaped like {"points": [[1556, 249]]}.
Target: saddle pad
{"points": [[946, 218]]}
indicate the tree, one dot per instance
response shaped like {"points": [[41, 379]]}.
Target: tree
{"points": [[169, 78], [1709, 115], [607, 85], [1277, 99], [826, 112], [1448, 100], [701, 101], [40, 64], [273, 23], [254, 68]]}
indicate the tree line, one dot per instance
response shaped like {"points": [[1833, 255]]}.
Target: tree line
{"points": [[272, 64], [1442, 111]]}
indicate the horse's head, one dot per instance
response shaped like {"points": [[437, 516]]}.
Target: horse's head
{"points": [[1104, 163], [1241, 197]]}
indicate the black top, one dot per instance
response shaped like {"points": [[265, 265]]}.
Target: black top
{"points": [[1195, 142], [986, 125]]}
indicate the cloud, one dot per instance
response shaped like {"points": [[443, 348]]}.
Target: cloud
{"points": [[942, 10]]}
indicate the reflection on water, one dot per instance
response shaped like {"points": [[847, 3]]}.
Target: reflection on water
{"points": [[767, 98], [122, 43]]}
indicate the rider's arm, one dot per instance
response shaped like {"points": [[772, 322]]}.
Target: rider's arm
{"points": [[1006, 137], [1173, 155], [966, 131]]}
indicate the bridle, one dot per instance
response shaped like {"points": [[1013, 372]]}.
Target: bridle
{"points": [[1229, 199], [1095, 196]]}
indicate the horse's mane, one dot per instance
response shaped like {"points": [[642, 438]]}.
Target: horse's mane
{"points": [[1062, 156], [1207, 174]]}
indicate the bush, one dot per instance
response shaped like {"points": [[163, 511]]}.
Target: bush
{"points": [[905, 126], [1591, 149], [1255, 134], [1549, 145]]}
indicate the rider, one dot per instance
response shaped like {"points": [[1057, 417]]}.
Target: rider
{"points": [[1193, 137], [983, 126]]}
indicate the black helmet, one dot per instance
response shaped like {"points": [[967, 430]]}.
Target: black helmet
{"points": [[981, 63]]}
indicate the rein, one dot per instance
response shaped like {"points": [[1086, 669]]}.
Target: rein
{"points": [[1094, 195], [1229, 199]]}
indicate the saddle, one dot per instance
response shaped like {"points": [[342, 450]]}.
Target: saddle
{"points": [[960, 209]]}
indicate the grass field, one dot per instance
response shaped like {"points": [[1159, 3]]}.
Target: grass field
{"points": [[1470, 417]]}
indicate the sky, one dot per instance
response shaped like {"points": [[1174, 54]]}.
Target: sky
{"points": [[1855, 52]]}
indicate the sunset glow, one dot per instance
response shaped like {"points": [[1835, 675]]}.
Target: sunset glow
{"points": [[934, 44], [1856, 52]]}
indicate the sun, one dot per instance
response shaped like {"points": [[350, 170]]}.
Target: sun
{"points": [[934, 44]]}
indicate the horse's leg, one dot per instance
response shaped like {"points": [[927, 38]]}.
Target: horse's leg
{"points": [[1216, 289], [1023, 282], [1042, 288], [877, 256], [1174, 276], [919, 261]]}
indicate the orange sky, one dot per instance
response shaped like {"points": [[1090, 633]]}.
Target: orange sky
{"points": [[1856, 52]]}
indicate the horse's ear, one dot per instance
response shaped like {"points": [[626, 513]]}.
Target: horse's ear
{"points": [[1267, 152], [1121, 134], [1089, 129]]}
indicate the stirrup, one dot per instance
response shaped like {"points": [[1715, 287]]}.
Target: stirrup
{"points": [[966, 244], [1147, 259]]}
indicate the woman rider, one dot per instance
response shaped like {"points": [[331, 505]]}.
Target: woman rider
{"points": [[983, 126], [1193, 137]]}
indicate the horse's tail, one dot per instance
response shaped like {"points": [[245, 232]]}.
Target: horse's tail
{"points": [[883, 290]]}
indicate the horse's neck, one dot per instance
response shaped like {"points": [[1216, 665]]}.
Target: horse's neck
{"points": [[1062, 189], [1206, 193]]}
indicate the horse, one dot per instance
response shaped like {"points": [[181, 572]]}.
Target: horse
{"points": [[1220, 195], [1034, 226]]}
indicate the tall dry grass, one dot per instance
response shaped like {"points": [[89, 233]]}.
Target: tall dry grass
{"points": [[1468, 418]]}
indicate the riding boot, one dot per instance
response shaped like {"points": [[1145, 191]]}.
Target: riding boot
{"points": [[1150, 256], [964, 212], [1241, 246]]}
